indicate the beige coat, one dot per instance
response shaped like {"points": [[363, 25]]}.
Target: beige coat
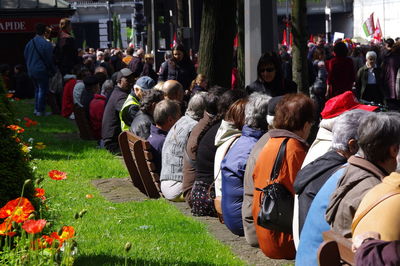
{"points": [[385, 217]]}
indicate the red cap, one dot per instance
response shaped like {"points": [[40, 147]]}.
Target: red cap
{"points": [[342, 103]]}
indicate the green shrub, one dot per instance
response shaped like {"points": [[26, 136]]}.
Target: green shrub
{"points": [[14, 164]]}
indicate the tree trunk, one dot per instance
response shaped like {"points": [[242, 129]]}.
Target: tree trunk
{"points": [[240, 49], [216, 41], [179, 8], [299, 49]]}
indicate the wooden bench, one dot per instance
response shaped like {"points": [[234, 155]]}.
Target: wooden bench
{"points": [[85, 131], [139, 161], [335, 250]]}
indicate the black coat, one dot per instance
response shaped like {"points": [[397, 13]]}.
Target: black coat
{"points": [[183, 71], [136, 66], [140, 126], [312, 177], [274, 88]]}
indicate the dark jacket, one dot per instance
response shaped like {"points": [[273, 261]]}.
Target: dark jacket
{"points": [[39, 58], [66, 53], [378, 252], [96, 110], [136, 66], [275, 88], [232, 171], [156, 140], [140, 126], [183, 71], [390, 65], [111, 125], [359, 178], [149, 71], [312, 177], [362, 82]]}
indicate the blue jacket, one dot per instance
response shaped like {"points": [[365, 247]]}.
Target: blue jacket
{"points": [[232, 171], [40, 66], [315, 223]]}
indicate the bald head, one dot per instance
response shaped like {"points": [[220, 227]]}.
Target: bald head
{"points": [[173, 90]]}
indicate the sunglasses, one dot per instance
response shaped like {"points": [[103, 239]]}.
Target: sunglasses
{"points": [[267, 69]]}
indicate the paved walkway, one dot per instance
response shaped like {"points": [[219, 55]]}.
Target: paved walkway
{"points": [[122, 190]]}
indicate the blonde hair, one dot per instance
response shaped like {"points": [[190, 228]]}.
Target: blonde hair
{"points": [[148, 57], [159, 86], [64, 23], [199, 78]]}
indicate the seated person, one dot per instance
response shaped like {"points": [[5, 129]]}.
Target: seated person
{"points": [[91, 88], [173, 90], [80, 86], [172, 153], [234, 163], [165, 115], [314, 222], [140, 125], [132, 102], [96, 112], [379, 139]]}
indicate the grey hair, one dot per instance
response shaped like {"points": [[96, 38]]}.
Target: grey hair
{"points": [[370, 54], [255, 113], [165, 109], [196, 106], [107, 87], [345, 129], [377, 133]]}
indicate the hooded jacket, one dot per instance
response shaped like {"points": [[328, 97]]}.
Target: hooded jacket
{"points": [[232, 171], [226, 137], [360, 177], [312, 177]]}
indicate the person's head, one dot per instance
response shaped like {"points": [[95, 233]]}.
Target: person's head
{"points": [[139, 53], [196, 106], [129, 51], [107, 87], [149, 100], [47, 32], [19, 69], [91, 50], [173, 90], [295, 112], [91, 84], [159, 85], [271, 110], [201, 80], [40, 29], [345, 132], [340, 49], [143, 84], [379, 138], [125, 79], [212, 99], [227, 99], [167, 55], [235, 113], [149, 59], [269, 67], [65, 24], [371, 58], [166, 113], [389, 43], [100, 69], [319, 53], [356, 52], [178, 52], [100, 56], [82, 72], [101, 77], [256, 111]]}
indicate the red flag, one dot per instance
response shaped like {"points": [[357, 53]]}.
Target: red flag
{"points": [[378, 31], [236, 41], [291, 39], [173, 41], [284, 41], [311, 38]]}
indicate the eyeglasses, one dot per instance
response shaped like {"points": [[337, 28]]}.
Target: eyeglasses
{"points": [[267, 69]]}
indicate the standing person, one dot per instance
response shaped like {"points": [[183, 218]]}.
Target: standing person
{"points": [[179, 68], [66, 52], [293, 119], [136, 63], [39, 60], [148, 67], [270, 78], [341, 74], [23, 84], [390, 68]]}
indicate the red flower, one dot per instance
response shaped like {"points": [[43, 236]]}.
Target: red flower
{"points": [[29, 122], [5, 228], [57, 175], [45, 241], [16, 128], [39, 193], [18, 209], [9, 95], [34, 226], [67, 233]]}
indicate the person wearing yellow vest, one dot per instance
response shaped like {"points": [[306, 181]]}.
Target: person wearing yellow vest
{"points": [[132, 102]]}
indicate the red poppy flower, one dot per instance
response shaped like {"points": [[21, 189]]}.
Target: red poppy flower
{"points": [[57, 175], [5, 228], [16, 128], [67, 233], [10, 95], [29, 122], [18, 209], [49, 240], [34, 226], [39, 193]]}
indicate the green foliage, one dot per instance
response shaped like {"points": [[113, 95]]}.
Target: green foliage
{"points": [[14, 165]]}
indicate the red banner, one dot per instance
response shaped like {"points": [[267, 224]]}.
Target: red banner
{"points": [[16, 25]]}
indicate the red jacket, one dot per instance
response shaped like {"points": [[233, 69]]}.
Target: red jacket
{"points": [[68, 99], [341, 75], [96, 111]]}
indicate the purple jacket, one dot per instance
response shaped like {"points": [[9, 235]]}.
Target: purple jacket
{"points": [[390, 65]]}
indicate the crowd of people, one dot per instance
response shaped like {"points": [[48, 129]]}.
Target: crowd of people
{"points": [[217, 148]]}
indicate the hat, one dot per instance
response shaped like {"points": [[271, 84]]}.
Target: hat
{"points": [[90, 81], [271, 108], [145, 83], [125, 72], [342, 103]]}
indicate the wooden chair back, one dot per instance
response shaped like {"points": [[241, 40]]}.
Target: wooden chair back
{"points": [[335, 250], [139, 161], [85, 131]]}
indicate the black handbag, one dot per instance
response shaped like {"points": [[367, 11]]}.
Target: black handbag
{"points": [[276, 202]]}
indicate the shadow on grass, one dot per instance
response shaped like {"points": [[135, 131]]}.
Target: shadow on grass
{"points": [[113, 260]]}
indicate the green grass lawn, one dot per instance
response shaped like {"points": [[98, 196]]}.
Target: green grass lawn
{"points": [[160, 234]]}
